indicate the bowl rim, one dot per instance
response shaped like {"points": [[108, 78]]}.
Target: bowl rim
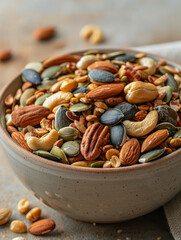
{"points": [[60, 166]]}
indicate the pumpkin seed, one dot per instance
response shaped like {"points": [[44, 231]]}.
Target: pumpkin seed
{"points": [[118, 135], [111, 117], [127, 109], [166, 114], [113, 55], [46, 84], [168, 96], [101, 76], [152, 155], [59, 153], [82, 89], [61, 119], [50, 72], [32, 76], [170, 80], [97, 164], [26, 95], [125, 58], [79, 107], [177, 134], [68, 133], [37, 66], [82, 163], [41, 99], [47, 155], [167, 125], [71, 148]]}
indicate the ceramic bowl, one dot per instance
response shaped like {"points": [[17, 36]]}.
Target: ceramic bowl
{"points": [[93, 195]]}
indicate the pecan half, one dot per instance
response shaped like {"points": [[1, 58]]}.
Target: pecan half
{"points": [[95, 137]]}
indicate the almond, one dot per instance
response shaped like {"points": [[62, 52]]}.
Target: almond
{"points": [[130, 152], [44, 33], [103, 65], [154, 140], [5, 55], [42, 227], [5, 214], [106, 91], [19, 137], [29, 115], [61, 59]]}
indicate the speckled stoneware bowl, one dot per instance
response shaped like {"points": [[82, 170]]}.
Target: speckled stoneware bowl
{"points": [[90, 194]]}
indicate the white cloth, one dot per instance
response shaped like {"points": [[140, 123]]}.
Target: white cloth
{"points": [[173, 208]]}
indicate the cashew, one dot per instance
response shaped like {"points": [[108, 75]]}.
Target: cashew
{"points": [[139, 129], [150, 63], [56, 99], [85, 61], [140, 92], [93, 33], [43, 143]]}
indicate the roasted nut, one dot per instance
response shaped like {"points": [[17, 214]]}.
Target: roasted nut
{"points": [[19, 238], [68, 85], [176, 142], [111, 152], [139, 129], [5, 214], [85, 61], [23, 205], [18, 226], [93, 33], [34, 214], [130, 157], [9, 100], [42, 227], [44, 33], [140, 92], [150, 63], [5, 55], [43, 143], [115, 161]]}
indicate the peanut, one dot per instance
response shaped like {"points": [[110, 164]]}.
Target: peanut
{"points": [[34, 214], [18, 226], [68, 85], [111, 152], [23, 205]]}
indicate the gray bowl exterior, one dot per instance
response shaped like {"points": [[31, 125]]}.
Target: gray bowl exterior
{"points": [[93, 195]]}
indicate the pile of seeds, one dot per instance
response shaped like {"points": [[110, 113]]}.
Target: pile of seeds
{"points": [[97, 110], [38, 228]]}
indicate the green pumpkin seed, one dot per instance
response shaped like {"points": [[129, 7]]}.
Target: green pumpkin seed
{"points": [[113, 55], [46, 84], [68, 133], [177, 134], [92, 52], [170, 80], [167, 125], [61, 119], [168, 96], [166, 114], [118, 135], [152, 155], [50, 72], [80, 107], [26, 95], [41, 99], [111, 117], [37, 66], [59, 153], [47, 155], [71, 148], [82, 163], [127, 109], [97, 164]]}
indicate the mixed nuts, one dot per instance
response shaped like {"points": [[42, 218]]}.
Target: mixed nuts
{"points": [[98, 110]]}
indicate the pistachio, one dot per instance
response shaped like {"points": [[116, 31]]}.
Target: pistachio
{"points": [[166, 114], [32, 76], [151, 155], [79, 107], [111, 117], [59, 153], [71, 148], [68, 133], [118, 135]]}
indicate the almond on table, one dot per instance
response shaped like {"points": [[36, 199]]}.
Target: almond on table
{"points": [[96, 109]]}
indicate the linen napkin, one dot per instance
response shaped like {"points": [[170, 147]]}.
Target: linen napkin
{"points": [[173, 208]]}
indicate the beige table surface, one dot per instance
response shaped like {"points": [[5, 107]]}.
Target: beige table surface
{"points": [[125, 24]]}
